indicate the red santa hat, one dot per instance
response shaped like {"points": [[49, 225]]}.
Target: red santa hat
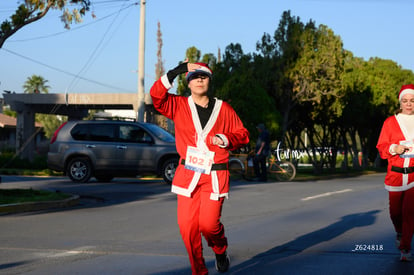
{"points": [[406, 89], [204, 69]]}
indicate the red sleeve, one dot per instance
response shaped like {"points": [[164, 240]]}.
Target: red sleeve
{"points": [[162, 100], [237, 135], [386, 138]]}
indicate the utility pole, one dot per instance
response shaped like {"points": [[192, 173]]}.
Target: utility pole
{"points": [[141, 64]]}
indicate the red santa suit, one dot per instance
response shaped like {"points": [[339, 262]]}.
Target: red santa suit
{"points": [[200, 195], [400, 174], [394, 131]]}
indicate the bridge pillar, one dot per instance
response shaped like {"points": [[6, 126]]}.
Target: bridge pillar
{"points": [[25, 134]]}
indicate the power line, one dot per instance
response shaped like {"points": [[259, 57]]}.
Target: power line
{"points": [[65, 72], [94, 54], [76, 28]]}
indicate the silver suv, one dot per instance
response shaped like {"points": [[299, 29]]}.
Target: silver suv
{"points": [[105, 149]]}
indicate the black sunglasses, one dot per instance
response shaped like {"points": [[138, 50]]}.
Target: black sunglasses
{"points": [[198, 75]]}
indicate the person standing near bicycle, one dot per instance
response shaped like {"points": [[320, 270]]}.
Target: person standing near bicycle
{"points": [[206, 129], [262, 151], [396, 144]]}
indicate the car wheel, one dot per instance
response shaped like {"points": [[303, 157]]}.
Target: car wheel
{"points": [[79, 169], [168, 169]]}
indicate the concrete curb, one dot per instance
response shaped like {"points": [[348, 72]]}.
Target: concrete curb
{"points": [[37, 206]]}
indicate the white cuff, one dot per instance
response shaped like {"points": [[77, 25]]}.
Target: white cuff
{"points": [[391, 150], [224, 139], [166, 82]]}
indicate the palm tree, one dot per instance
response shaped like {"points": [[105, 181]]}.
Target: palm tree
{"points": [[36, 84]]}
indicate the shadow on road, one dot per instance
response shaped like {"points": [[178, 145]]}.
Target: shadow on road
{"points": [[96, 194], [268, 259]]}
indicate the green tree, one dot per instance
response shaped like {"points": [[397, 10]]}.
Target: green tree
{"points": [[239, 81], [193, 54], [33, 10], [277, 55], [317, 84], [209, 59], [385, 78], [50, 123], [317, 73], [358, 113], [36, 84]]}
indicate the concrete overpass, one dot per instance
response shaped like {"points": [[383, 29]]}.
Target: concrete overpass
{"points": [[75, 106]]}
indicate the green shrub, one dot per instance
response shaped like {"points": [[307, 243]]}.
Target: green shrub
{"points": [[8, 160]]}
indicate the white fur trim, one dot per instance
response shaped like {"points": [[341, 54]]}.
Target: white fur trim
{"points": [[404, 92], [402, 127], [216, 197], [166, 82], [405, 176], [201, 135], [399, 188], [202, 69], [224, 139], [187, 191], [392, 149], [181, 191], [215, 184]]}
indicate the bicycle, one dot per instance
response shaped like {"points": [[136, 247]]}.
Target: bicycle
{"points": [[282, 170]]}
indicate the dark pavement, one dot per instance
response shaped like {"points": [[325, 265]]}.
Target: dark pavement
{"points": [[338, 226]]}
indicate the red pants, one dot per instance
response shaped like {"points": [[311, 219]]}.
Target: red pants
{"points": [[402, 215], [201, 215]]}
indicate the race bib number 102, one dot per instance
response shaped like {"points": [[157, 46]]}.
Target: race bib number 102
{"points": [[198, 160]]}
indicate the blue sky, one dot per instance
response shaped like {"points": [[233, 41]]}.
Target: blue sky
{"points": [[101, 55]]}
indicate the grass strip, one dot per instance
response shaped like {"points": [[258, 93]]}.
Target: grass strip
{"points": [[10, 196]]}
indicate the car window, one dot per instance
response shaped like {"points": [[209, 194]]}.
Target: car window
{"points": [[94, 132], [80, 132], [160, 133], [129, 133], [102, 132]]}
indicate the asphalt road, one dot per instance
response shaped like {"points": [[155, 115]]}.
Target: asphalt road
{"points": [[338, 226]]}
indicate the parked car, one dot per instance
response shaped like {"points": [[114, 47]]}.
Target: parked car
{"points": [[105, 149]]}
